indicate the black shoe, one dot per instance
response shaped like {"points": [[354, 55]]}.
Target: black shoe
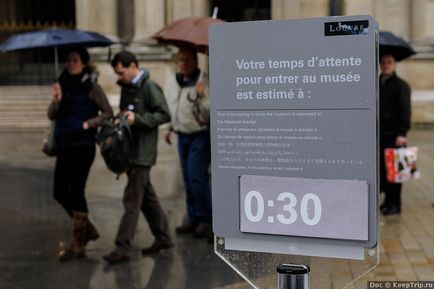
{"points": [[210, 239], [203, 231], [156, 247], [115, 258], [69, 254], [185, 229], [392, 210], [383, 207]]}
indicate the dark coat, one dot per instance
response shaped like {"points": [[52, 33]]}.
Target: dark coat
{"points": [[395, 107], [145, 98], [82, 100]]}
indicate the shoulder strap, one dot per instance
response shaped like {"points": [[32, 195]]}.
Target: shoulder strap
{"points": [[147, 88]]}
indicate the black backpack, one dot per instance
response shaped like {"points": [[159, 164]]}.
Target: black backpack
{"points": [[116, 145]]}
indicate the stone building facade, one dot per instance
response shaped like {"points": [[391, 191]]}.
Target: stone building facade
{"points": [[132, 22]]}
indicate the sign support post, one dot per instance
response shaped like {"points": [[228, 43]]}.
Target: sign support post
{"points": [[291, 276], [294, 149]]}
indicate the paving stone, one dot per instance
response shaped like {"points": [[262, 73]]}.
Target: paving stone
{"points": [[32, 225]]}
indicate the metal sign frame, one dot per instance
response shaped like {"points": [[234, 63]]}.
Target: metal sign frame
{"points": [[242, 53]]}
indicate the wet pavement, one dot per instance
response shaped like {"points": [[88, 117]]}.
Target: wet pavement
{"points": [[32, 226]]}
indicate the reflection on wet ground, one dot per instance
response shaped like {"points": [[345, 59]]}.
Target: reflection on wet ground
{"points": [[32, 225]]}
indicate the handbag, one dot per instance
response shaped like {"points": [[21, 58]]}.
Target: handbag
{"points": [[199, 112], [116, 145], [200, 107], [49, 142], [401, 164]]}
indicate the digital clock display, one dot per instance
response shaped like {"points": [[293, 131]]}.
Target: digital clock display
{"points": [[335, 209]]}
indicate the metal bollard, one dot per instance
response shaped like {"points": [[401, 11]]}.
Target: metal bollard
{"points": [[292, 276]]}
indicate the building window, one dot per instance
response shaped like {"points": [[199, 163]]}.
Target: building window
{"points": [[31, 66], [37, 13], [242, 10]]}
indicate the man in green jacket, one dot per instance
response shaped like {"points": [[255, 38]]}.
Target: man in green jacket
{"points": [[144, 105]]}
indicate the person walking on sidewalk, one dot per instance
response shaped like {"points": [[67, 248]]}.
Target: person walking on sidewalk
{"points": [[395, 113], [144, 105], [76, 106], [188, 100]]}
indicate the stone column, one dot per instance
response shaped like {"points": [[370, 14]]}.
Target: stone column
{"points": [[149, 17], [314, 8], [422, 21], [125, 28], [394, 16], [181, 9], [283, 9], [169, 11], [357, 7], [186, 8], [201, 8], [430, 19], [82, 14], [97, 15]]}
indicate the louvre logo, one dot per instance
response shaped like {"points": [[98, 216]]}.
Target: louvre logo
{"points": [[346, 28]]}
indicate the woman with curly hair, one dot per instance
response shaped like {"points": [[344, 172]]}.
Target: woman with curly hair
{"points": [[79, 106]]}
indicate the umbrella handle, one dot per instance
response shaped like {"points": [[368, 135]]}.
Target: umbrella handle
{"points": [[56, 62], [200, 78], [215, 11]]}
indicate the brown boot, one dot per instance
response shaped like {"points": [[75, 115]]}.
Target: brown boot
{"points": [[86, 231], [91, 232], [83, 232], [70, 253]]}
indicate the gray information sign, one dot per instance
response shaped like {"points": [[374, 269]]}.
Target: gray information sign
{"points": [[304, 207], [294, 134]]}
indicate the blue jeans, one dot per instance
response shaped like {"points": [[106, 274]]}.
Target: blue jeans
{"points": [[195, 156]]}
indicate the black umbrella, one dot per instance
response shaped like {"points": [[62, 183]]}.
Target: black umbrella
{"points": [[54, 37], [394, 45]]}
